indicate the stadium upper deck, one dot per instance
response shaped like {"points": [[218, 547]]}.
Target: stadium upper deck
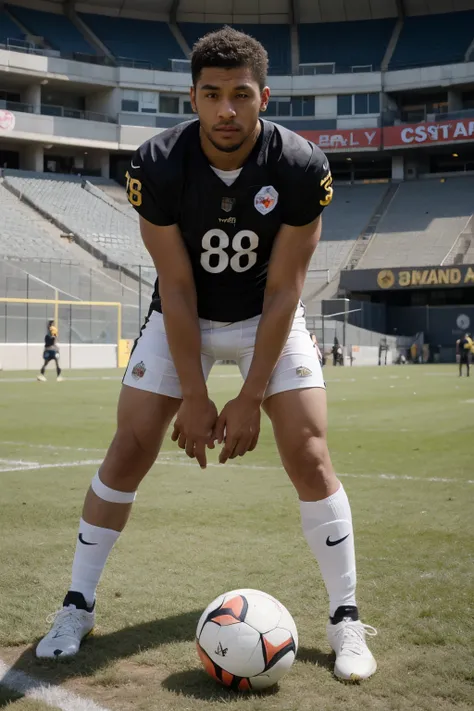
{"points": [[84, 87]]}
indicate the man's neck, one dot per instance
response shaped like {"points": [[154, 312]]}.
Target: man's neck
{"points": [[229, 161]]}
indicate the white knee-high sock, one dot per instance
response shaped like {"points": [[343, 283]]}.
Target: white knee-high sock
{"points": [[92, 550], [327, 526]]}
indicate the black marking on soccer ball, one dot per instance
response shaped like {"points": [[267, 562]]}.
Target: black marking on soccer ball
{"points": [[290, 647], [228, 611]]}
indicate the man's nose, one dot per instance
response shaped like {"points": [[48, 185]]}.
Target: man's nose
{"points": [[226, 110]]}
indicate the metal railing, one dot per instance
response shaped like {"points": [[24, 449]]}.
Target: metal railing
{"points": [[422, 115], [55, 110], [306, 68], [19, 45]]}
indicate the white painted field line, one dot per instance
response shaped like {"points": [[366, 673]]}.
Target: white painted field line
{"points": [[177, 462], [51, 446], [34, 466], [15, 461], [48, 694], [390, 477], [9, 465], [91, 378], [66, 377]]}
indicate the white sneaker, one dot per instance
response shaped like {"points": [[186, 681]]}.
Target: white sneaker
{"points": [[41, 378], [354, 660], [70, 625], [59, 379]]}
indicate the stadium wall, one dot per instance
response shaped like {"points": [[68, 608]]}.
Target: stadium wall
{"points": [[29, 356], [23, 356]]}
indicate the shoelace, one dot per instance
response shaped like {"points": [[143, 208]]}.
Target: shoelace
{"points": [[353, 636], [66, 622]]}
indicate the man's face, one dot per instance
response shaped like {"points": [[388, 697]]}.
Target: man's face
{"points": [[228, 102]]}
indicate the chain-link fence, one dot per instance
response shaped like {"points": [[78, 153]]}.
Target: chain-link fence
{"points": [[58, 281]]}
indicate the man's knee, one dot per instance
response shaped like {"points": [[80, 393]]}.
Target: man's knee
{"points": [[309, 465], [128, 459]]}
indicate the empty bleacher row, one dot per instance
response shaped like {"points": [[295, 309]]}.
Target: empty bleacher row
{"points": [[107, 230], [348, 215], [421, 224], [57, 29], [22, 233], [434, 39], [36, 258], [357, 45], [420, 227], [346, 44]]}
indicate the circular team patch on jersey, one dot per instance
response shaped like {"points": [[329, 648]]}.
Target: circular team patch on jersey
{"points": [[266, 199]]}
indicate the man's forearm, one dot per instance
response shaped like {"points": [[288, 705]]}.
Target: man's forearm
{"points": [[184, 339], [272, 334]]}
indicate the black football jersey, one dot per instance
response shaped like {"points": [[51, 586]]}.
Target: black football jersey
{"points": [[229, 232]]}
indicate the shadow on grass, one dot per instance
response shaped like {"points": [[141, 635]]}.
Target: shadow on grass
{"points": [[98, 652], [8, 697], [317, 657], [197, 684]]}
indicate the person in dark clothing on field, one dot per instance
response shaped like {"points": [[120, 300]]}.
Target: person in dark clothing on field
{"points": [[337, 357], [51, 352], [464, 347]]}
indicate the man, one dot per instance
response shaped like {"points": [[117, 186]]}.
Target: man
{"points": [[50, 353], [230, 212], [337, 354], [464, 347]]}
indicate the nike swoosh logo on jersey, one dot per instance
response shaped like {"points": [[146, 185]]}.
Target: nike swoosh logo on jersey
{"points": [[86, 543], [134, 166], [334, 543]]}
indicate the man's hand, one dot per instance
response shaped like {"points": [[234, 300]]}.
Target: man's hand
{"points": [[238, 426], [194, 426]]}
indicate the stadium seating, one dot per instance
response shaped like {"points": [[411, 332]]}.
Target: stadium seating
{"points": [[106, 191], [103, 227], [35, 260], [57, 30], [434, 39], [149, 42], [343, 221], [275, 38], [346, 43], [469, 256], [113, 190], [421, 224], [21, 234], [9, 30]]}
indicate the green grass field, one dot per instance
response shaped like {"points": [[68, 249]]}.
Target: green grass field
{"points": [[402, 439]]}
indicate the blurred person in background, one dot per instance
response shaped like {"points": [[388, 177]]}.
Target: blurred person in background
{"points": [[464, 350], [51, 352]]}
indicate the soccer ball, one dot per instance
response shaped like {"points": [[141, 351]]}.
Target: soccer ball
{"points": [[246, 639]]}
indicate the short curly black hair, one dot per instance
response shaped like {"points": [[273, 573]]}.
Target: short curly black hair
{"points": [[229, 48]]}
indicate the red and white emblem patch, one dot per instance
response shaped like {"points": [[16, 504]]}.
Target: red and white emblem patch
{"points": [[138, 370], [266, 199]]}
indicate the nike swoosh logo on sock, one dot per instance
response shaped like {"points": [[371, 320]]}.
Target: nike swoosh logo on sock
{"points": [[86, 543], [334, 543]]}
